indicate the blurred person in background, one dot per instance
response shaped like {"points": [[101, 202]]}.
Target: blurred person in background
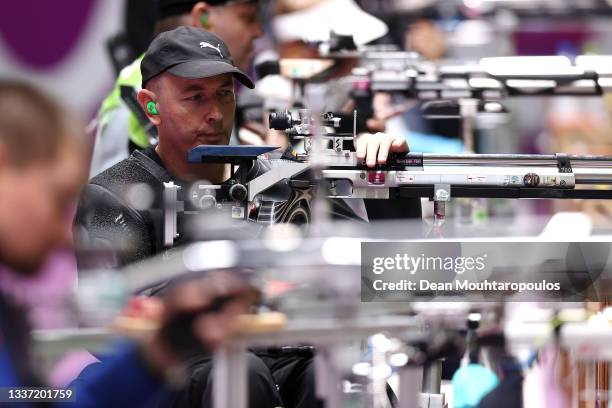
{"points": [[120, 126], [292, 31], [582, 127], [296, 25], [42, 167], [424, 36]]}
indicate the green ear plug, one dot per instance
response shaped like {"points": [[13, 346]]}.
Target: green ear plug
{"points": [[204, 20], [152, 108]]}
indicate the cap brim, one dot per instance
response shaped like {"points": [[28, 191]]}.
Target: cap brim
{"points": [[205, 69]]}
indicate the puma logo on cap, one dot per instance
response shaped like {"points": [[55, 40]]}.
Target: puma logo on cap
{"points": [[205, 44]]}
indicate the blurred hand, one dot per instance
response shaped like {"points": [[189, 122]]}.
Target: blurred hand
{"points": [[375, 147], [383, 108], [140, 316], [144, 307], [276, 138], [253, 133], [210, 327]]}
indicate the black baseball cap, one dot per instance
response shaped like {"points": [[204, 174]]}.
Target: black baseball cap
{"points": [[189, 52], [167, 8]]}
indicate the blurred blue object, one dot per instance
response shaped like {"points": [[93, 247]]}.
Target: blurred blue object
{"points": [[426, 143], [222, 153], [471, 383]]}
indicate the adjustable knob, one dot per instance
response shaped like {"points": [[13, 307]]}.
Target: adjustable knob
{"points": [[238, 192], [280, 120], [531, 180], [207, 201]]}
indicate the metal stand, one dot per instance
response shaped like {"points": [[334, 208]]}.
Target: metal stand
{"points": [[432, 385], [468, 108], [410, 385], [328, 378], [230, 388]]}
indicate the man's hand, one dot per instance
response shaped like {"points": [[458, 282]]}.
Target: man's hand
{"points": [[375, 148]]}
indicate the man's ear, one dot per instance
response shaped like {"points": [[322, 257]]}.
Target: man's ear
{"points": [[200, 16], [148, 103]]}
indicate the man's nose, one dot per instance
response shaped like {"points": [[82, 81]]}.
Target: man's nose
{"points": [[214, 114]]}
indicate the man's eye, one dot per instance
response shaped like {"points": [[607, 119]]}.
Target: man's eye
{"points": [[225, 93], [195, 97]]}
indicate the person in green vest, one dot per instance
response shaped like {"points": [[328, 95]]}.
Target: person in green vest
{"points": [[121, 126]]}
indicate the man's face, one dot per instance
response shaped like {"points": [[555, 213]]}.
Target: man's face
{"points": [[193, 112], [38, 203], [238, 25]]}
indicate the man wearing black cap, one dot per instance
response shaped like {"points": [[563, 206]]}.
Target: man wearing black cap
{"points": [[194, 99], [188, 94], [120, 127]]}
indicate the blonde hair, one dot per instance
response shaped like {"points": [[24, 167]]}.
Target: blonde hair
{"points": [[32, 125]]}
